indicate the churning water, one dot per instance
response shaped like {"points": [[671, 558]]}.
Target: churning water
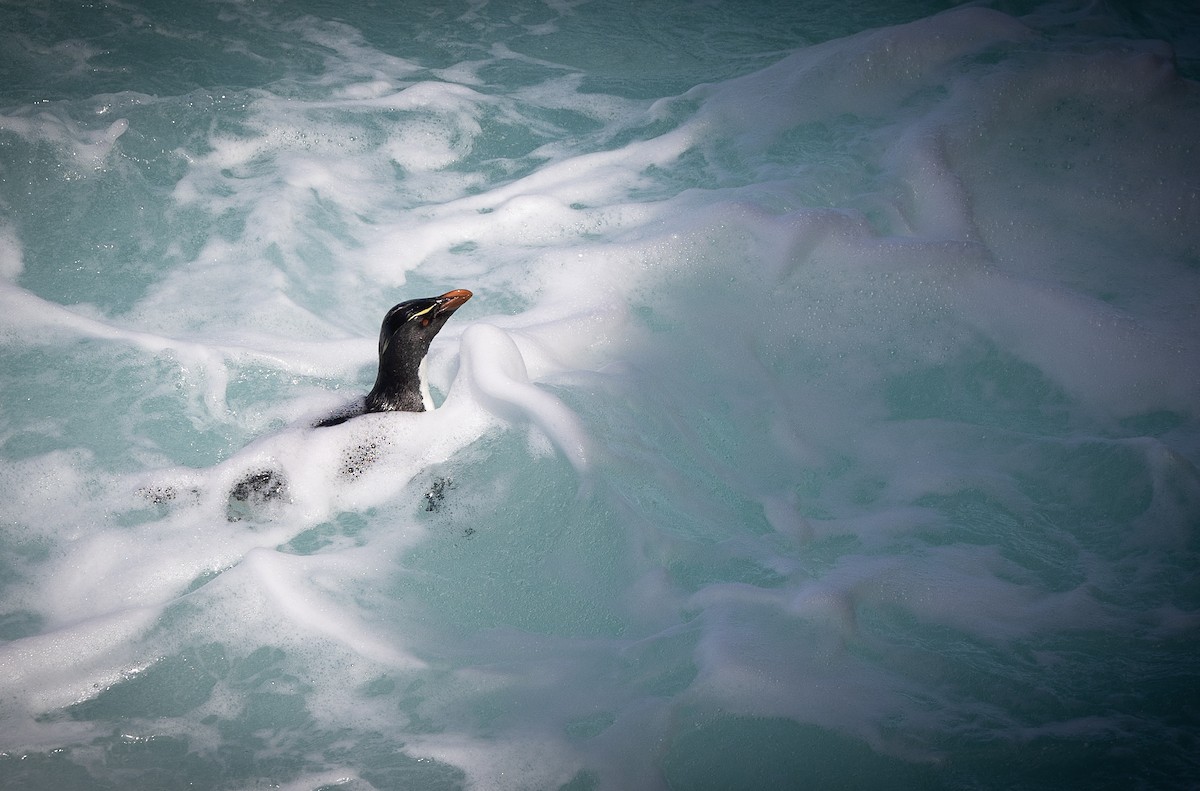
{"points": [[827, 414]]}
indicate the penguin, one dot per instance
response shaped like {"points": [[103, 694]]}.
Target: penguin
{"points": [[404, 338]]}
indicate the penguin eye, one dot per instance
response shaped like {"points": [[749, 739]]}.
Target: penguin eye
{"points": [[424, 322]]}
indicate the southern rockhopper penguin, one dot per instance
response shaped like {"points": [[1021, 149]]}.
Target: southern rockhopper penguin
{"points": [[404, 340], [400, 386]]}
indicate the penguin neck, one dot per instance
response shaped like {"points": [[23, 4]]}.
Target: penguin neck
{"points": [[400, 387]]}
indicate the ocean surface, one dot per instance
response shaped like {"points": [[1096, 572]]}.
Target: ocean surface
{"points": [[827, 414]]}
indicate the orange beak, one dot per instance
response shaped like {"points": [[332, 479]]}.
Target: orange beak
{"points": [[453, 300]]}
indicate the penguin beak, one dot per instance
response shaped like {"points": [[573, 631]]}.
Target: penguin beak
{"points": [[451, 301]]}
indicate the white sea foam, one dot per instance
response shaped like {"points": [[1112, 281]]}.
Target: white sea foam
{"points": [[10, 254], [86, 149]]}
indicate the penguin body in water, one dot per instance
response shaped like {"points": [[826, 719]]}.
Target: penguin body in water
{"points": [[404, 338]]}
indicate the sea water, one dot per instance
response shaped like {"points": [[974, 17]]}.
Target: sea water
{"points": [[826, 416]]}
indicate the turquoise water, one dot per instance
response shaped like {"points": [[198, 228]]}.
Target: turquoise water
{"points": [[826, 414]]}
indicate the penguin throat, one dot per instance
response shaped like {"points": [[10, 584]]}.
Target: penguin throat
{"points": [[399, 387]]}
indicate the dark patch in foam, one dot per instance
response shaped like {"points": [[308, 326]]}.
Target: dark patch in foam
{"points": [[161, 498], [435, 497], [253, 492], [356, 460], [161, 495]]}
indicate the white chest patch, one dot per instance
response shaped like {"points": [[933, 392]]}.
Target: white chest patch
{"points": [[426, 398]]}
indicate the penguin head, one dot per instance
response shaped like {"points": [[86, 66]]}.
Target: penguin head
{"points": [[409, 327], [404, 340]]}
